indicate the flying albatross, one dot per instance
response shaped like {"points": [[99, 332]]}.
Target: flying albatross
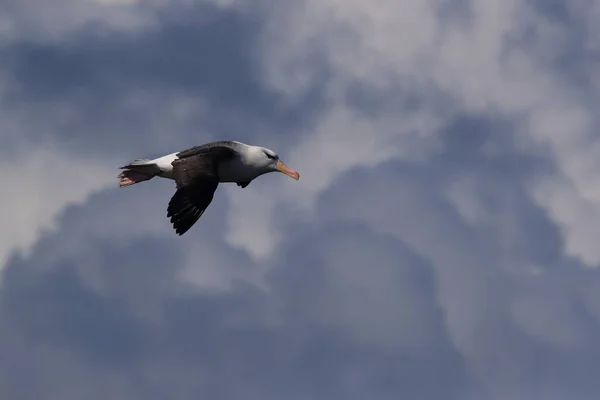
{"points": [[198, 171]]}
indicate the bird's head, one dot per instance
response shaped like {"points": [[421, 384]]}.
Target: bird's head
{"points": [[268, 161]]}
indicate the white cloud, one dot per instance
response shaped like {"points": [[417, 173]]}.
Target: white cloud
{"points": [[51, 21], [578, 217], [340, 142], [37, 186], [44, 174], [410, 45], [56, 21], [495, 58]]}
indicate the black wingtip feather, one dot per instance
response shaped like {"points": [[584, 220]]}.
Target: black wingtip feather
{"points": [[182, 213], [186, 207]]}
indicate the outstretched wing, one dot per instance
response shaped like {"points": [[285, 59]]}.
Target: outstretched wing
{"points": [[189, 203], [195, 173]]}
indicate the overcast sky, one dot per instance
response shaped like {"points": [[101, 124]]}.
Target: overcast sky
{"points": [[441, 244]]}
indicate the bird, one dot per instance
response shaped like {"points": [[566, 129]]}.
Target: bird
{"points": [[197, 172]]}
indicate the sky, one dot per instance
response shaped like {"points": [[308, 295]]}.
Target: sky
{"points": [[440, 244]]}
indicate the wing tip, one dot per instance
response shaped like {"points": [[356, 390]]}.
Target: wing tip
{"points": [[182, 213]]}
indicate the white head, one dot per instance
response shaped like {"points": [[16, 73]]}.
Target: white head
{"points": [[266, 160]]}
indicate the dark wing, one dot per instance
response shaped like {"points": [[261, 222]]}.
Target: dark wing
{"points": [[195, 174], [214, 149], [189, 203]]}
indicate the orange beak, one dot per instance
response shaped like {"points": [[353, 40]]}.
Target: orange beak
{"points": [[281, 167]]}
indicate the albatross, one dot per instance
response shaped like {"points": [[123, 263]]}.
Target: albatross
{"points": [[198, 171]]}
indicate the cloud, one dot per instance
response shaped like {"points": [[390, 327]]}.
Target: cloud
{"points": [[39, 185], [374, 52], [67, 17], [480, 59], [439, 242], [96, 105], [517, 326], [119, 305]]}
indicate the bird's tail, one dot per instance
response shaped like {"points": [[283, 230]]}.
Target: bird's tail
{"points": [[137, 171]]}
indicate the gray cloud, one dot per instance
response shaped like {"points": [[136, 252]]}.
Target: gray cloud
{"points": [[512, 301], [440, 243], [410, 299], [195, 73], [327, 328]]}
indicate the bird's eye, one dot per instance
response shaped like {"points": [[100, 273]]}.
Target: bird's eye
{"points": [[270, 156]]}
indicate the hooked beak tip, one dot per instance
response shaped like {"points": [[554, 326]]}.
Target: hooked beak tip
{"points": [[281, 167]]}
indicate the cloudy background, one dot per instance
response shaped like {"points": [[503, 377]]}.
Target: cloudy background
{"points": [[442, 242]]}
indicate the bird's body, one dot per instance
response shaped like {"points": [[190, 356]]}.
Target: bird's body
{"points": [[199, 170]]}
